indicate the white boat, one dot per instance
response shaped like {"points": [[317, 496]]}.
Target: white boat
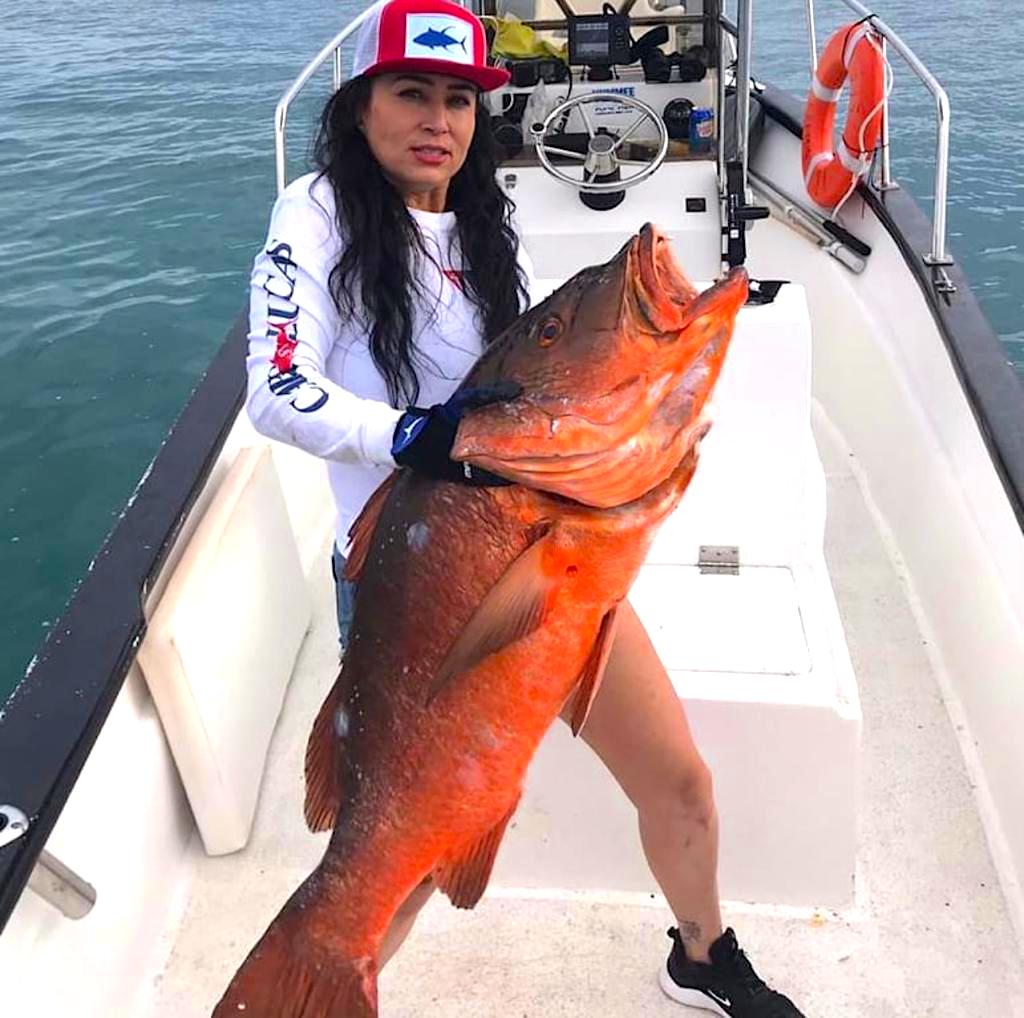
{"points": [[839, 600]]}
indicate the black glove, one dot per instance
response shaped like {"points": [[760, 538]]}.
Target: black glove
{"points": [[424, 437]]}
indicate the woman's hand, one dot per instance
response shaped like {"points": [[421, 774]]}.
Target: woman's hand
{"points": [[424, 437]]}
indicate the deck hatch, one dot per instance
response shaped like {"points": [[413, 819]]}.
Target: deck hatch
{"points": [[745, 624]]}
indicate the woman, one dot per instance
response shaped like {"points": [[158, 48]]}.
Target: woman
{"points": [[381, 278]]}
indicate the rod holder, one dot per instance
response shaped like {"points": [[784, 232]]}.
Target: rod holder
{"points": [[58, 885], [61, 887]]}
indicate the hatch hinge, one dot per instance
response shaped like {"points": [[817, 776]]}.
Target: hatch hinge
{"points": [[723, 559]]}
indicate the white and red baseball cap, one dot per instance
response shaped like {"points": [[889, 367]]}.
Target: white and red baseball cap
{"points": [[430, 36]]}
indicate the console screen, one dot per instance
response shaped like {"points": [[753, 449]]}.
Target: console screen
{"points": [[591, 40]]}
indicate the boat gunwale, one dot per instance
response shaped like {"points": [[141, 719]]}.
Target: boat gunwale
{"points": [[994, 392], [53, 717]]}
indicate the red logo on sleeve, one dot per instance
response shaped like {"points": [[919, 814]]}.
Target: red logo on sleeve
{"points": [[286, 345]]}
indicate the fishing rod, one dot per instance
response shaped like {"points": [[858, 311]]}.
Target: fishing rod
{"points": [[847, 249]]}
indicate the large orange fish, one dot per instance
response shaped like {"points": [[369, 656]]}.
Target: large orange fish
{"points": [[484, 612]]}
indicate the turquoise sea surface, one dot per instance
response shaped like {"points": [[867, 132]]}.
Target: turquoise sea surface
{"points": [[136, 177]]}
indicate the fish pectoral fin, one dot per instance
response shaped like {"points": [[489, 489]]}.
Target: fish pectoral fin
{"points": [[325, 758], [464, 876], [593, 670], [514, 607], [361, 531]]}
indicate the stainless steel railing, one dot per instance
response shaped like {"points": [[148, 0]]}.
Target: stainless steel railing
{"points": [[938, 256], [332, 51]]}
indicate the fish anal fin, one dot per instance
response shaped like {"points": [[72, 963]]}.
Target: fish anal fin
{"points": [[593, 670], [465, 875], [325, 755], [513, 608], [361, 531]]}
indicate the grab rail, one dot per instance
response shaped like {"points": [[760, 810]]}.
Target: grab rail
{"points": [[331, 51], [938, 256]]}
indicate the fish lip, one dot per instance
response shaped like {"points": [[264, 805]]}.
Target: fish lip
{"points": [[726, 297], [663, 301], [435, 148], [660, 289]]}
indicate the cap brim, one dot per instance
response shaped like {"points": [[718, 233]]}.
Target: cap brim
{"points": [[485, 78]]}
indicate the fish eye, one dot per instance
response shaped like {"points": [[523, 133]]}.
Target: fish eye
{"points": [[549, 332]]}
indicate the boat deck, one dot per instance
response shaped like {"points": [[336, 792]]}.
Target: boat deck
{"points": [[929, 933]]}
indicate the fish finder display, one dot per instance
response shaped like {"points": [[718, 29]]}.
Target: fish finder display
{"points": [[599, 40], [592, 41]]}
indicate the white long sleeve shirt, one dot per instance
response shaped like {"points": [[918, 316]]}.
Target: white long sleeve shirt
{"points": [[311, 379]]}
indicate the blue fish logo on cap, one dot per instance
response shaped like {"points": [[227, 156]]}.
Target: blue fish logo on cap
{"points": [[434, 39], [439, 37]]}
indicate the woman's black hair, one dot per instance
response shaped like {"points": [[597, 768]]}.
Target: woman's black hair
{"points": [[375, 277]]}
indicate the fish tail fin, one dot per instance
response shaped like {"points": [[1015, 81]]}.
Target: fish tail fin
{"points": [[278, 981], [288, 974], [287, 986]]}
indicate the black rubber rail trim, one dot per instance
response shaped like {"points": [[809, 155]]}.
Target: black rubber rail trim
{"points": [[845, 237], [52, 719], [993, 389]]}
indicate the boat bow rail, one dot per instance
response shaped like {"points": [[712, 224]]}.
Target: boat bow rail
{"points": [[992, 388], [938, 257], [332, 52]]}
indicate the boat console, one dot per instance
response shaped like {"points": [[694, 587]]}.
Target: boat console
{"points": [[597, 104]]}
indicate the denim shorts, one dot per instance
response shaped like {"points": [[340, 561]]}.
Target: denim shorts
{"points": [[345, 592]]}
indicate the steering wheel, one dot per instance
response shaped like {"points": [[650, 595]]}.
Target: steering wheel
{"points": [[602, 150]]}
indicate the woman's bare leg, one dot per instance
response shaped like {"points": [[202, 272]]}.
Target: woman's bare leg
{"points": [[403, 921], [638, 727]]}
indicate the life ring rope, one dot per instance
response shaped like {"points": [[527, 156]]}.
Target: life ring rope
{"points": [[832, 169]]}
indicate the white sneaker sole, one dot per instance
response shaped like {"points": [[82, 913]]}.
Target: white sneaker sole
{"points": [[684, 995]]}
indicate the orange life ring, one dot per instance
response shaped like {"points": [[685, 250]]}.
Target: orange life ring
{"points": [[831, 172]]}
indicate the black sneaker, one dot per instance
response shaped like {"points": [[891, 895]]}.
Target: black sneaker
{"points": [[729, 986]]}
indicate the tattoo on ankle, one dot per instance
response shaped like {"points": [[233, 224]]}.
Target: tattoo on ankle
{"points": [[689, 931]]}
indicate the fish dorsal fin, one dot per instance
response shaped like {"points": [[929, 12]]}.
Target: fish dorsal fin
{"points": [[464, 876], [514, 607], [593, 670], [361, 531], [325, 759]]}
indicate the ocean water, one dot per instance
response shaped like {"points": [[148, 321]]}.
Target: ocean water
{"points": [[136, 176]]}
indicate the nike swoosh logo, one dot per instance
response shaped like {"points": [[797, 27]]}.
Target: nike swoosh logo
{"points": [[724, 1001]]}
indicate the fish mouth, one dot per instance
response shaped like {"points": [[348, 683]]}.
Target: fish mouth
{"points": [[658, 291]]}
